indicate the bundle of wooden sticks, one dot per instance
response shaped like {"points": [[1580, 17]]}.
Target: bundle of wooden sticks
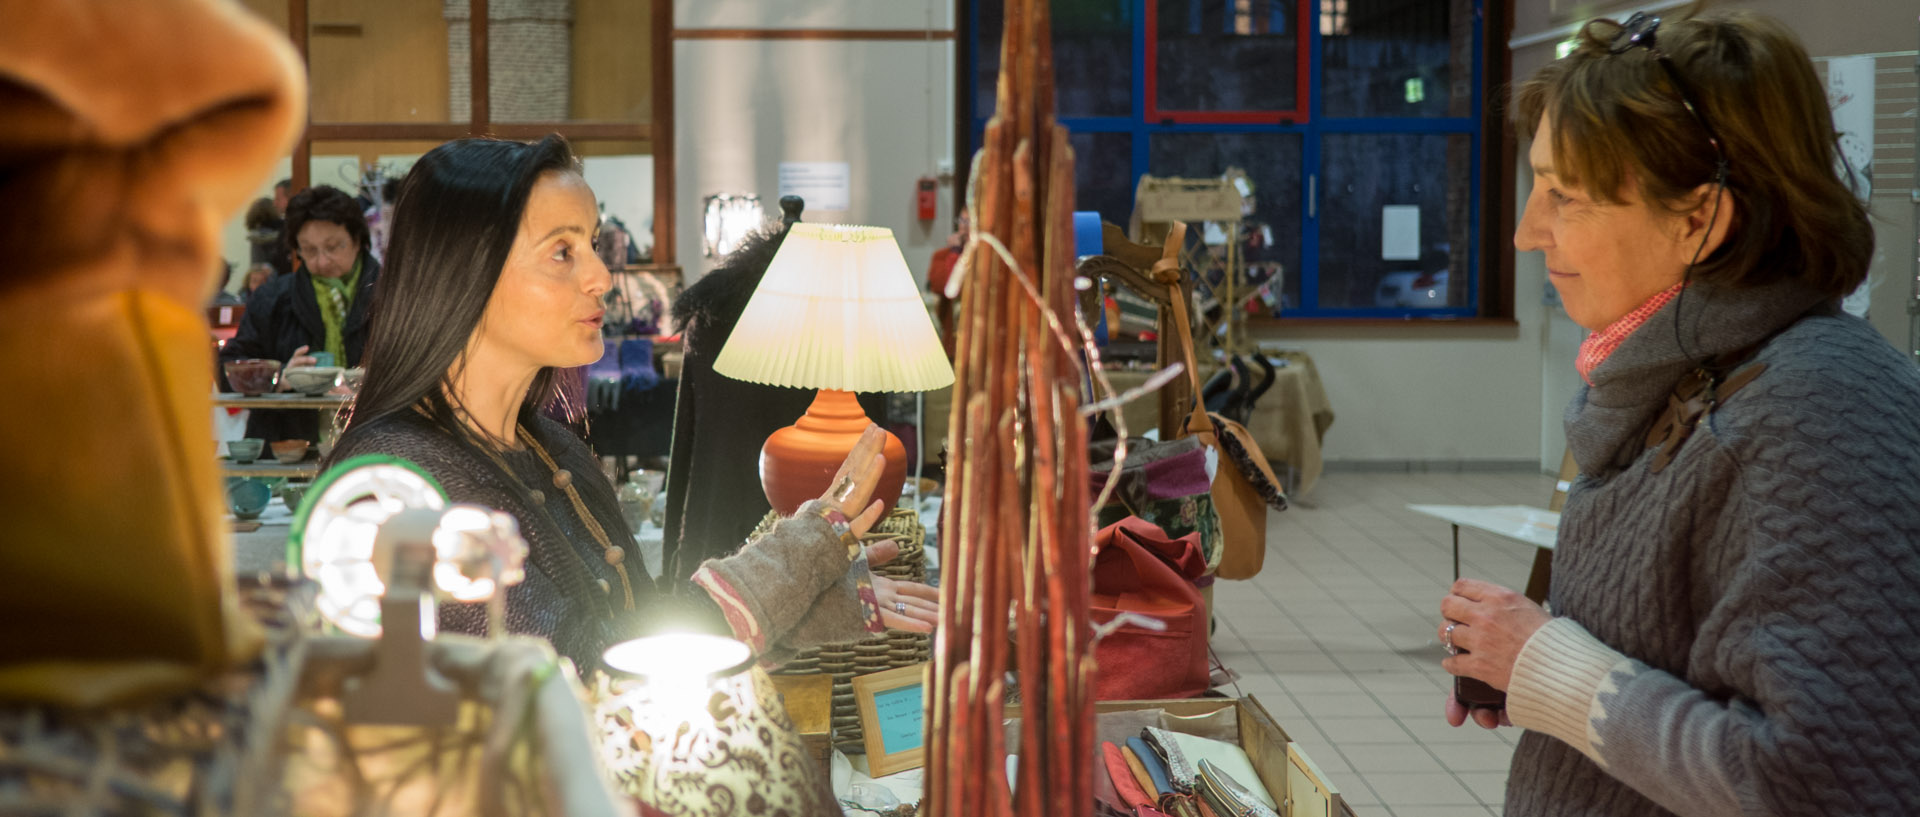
{"points": [[1017, 533]]}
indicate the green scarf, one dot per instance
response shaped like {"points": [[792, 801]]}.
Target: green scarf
{"points": [[336, 299]]}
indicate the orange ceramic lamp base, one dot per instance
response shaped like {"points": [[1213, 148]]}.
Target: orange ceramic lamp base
{"points": [[799, 461]]}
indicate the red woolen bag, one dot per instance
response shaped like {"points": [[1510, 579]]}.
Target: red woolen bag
{"points": [[1138, 569]]}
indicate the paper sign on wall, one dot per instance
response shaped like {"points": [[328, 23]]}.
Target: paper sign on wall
{"points": [[1400, 232], [824, 185]]}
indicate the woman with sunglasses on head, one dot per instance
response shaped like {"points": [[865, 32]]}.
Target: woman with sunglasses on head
{"points": [[491, 286], [1735, 600]]}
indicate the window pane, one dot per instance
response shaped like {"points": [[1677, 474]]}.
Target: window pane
{"points": [[1103, 174], [584, 61], [371, 173], [1392, 58], [378, 61], [622, 184], [1374, 189], [250, 236], [1270, 234], [1227, 55], [612, 74], [1092, 57], [386, 61]]}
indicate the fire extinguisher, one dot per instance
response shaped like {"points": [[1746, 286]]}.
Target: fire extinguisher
{"points": [[927, 198]]}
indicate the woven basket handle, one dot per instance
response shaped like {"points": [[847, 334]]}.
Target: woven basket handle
{"points": [[1167, 271]]}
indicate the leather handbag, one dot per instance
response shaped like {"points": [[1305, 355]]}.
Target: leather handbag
{"points": [[1165, 483], [1243, 492], [1134, 571]]}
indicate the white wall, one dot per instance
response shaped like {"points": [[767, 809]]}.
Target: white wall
{"points": [[1439, 393], [233, 235], [741, 107], [624, 185]]}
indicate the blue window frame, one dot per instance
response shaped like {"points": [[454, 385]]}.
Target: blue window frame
{"points": [[1390, 131]]}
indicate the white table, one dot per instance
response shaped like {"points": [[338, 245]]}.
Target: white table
{"points": [[1536, 526]]}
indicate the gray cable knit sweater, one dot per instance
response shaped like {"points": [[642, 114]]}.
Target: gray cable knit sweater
{"points": [[1740, 632]]}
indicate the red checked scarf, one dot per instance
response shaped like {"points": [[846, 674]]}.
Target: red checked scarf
{"points": [[1595, 349]]}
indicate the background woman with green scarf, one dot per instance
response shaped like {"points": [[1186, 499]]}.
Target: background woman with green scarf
{"points": [[322, 306]]}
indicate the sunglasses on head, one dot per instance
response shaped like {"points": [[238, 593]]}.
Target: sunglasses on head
{"points": [[1638, 32]]}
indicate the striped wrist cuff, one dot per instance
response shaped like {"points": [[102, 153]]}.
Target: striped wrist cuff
{"points": [[739, 617], [1555, 681]]}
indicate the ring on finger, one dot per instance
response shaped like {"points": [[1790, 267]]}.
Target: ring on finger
{"points": [[900, 607], [1446, 638]]}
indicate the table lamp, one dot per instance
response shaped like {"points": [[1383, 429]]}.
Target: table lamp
{"points": [[689, 726], [377, 535], [837, 311]]}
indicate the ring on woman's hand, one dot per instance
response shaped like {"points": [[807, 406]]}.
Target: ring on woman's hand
{"points": [[1446, 638], [900, 607]]}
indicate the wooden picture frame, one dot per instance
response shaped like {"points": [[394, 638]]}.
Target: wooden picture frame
{"points": [[1308, 790], [893, 709]]}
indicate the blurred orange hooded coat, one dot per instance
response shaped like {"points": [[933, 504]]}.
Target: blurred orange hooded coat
{"points": [[129, 132]]}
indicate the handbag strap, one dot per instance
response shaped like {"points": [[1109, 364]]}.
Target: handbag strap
{"points": [[1167, 271]]}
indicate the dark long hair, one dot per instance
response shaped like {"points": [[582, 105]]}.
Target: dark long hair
{"points": [[324, 203], [453, 226]]}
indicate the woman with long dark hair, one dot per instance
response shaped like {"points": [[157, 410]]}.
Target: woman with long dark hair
{"points": [[491, 286]]}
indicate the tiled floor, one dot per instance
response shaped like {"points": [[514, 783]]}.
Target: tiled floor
{"points": [[1336, 637]]}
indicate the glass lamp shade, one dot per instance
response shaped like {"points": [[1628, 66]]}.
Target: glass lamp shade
{"points": [[837, 310], [476, 550], [717, 746]]}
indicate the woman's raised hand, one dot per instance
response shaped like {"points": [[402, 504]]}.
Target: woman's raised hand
{"points": [[851, 492]]}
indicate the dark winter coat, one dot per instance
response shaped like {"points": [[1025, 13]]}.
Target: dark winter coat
{"points": [[572, 596], [714, 498], [282, 316]]}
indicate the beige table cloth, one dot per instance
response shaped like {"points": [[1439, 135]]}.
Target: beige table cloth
{"points": [[1289, 420]]}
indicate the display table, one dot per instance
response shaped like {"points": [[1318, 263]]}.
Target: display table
{"points": [[1536, 526], [1289, 420], [267, 467]]}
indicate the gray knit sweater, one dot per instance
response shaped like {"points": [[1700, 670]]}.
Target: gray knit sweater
{"points": [[1739, 633]]}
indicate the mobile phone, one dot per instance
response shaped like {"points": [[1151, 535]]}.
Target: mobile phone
{"points": [[1474, 693]]}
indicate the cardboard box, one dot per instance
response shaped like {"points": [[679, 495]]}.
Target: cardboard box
{"points": [[1289, 775], [808, 700]]}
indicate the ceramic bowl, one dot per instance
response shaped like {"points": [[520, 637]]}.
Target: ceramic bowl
{"points": [[289, 452], [248, 497], [291, 494], [245, 451], [253, 377], [311, 379]]}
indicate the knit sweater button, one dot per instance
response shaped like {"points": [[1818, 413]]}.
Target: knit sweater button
{"points": [[538, 497], [616, 555], [604, 586], [562, 478]]}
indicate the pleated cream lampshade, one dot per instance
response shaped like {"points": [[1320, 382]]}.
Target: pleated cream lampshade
{"points": [[837, 311]]}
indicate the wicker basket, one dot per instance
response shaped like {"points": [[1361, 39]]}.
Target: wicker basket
{"points": [[846, 659]]}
